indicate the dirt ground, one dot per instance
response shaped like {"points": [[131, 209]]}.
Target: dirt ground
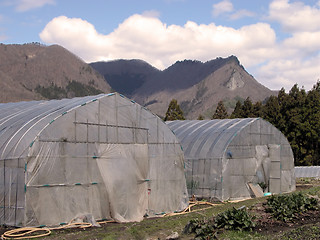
{"points": [[265, 224]]}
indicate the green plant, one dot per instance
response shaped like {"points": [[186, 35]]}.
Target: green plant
{"points": [[263, 185], [234, 219], [304, 180], [51, 92], [231, 219], [174, 111], [80, 90], [203, 229], [286, 207]]}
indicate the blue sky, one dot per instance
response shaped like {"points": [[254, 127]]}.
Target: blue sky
{"points": [[277, 41]]}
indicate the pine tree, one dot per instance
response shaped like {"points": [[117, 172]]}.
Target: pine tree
{"points": [[283, 101], [247, 108], [271, 111], [295, 123], [312, 125], [296, 114], [174, 111], [237, 112], [200, 117], [221, 111], [258, 109]]}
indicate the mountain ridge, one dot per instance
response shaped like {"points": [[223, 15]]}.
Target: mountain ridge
{"points": [[26, 69], [34, 71], [125, 75], [198, 86]]}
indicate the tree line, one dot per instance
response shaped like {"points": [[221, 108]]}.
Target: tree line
{"points": [[296, 114]]}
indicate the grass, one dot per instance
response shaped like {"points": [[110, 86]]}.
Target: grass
{"points": [[304, 232], [162, 227], [149, 228], [236, 235]]}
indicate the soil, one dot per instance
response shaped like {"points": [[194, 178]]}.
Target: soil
{"points": [[265, 224]]}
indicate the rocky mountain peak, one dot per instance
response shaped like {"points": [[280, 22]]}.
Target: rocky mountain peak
{"points": [[235, 81]]}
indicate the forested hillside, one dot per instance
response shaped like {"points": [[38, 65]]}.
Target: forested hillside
{"points": [[296, 114], [33, 71]]}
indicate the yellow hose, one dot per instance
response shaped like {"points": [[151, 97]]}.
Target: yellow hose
{"points": [[21, 233], [192, 204], [71, 225], [107, 221]]}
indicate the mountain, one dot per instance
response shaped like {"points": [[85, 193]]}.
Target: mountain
{"points": [[33, 71], [197, 86], [125, 76], [181, 75]]}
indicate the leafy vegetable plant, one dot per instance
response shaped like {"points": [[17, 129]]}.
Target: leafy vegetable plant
{"points": [[203, 229], [234, 219], [286, 207]]}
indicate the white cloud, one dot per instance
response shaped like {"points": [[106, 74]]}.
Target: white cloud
{"points": [[242, 13], [296, 16], [295, 59], [305, 42], [26, 5], [287, 72], [222, 7], [166, 44], [226, 7], [151, 13]]}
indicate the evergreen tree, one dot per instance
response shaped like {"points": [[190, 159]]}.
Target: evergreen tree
{"points": [[283, 101], [221, 111], [282, 97], [271, 111], [311, 127], [237, 112], [200, 117], [293, 116], [174, 112], [296, 114], [247, 108], [258, 109]]}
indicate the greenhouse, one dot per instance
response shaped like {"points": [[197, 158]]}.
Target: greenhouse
{"points": [[102, 155], [233, 159], [307, 172]]}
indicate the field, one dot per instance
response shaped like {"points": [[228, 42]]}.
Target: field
{"points": [[305, 226]]}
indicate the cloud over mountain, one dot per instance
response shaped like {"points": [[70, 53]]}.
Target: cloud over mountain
{"points": [[166, 44], [144, 36]]}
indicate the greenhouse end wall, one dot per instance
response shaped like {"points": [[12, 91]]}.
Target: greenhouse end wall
{"points": [[103, 155], [224, 157]]}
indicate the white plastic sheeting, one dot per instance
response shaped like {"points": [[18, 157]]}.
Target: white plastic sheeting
{"points": [[311, 171], [101, 155], [223, 156]]}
